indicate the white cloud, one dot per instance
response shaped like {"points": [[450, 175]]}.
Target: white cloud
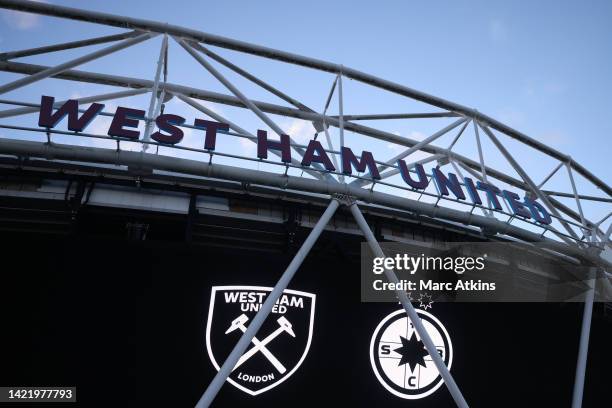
{"points": [[21, 20], [300, 130]]}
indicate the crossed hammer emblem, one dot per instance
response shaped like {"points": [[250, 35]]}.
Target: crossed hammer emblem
{"points": [[260, 345]]}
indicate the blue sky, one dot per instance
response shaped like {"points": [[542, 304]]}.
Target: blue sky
{"points": [[541, 67]]}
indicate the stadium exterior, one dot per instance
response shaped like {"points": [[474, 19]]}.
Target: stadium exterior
{"points": [[58, 188]]}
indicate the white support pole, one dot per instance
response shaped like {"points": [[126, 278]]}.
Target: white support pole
{"points": [[158, 106], [465, 125], [571, 177], [330, 95], [483, 169], [341, 117], [152, 102], [5, 56], [240, 347], [330, 146], [341, 110], [583, 348], [49, 72], [552, 173], [412, 314], [605, 238]]}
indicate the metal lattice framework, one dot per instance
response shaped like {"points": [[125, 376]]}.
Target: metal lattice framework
{"points": [[572, 232]]}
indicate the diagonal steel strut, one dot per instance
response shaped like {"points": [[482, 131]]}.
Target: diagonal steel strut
{"points": [[412, 314], [583, 348], [240, 347], [73, 63], [67, 45]]}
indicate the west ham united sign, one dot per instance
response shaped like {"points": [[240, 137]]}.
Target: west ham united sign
{"points": [[126, 120], [281, 344], [399, 359]]}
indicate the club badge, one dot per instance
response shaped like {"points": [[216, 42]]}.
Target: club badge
{"points": [[399, 358], [280, 346]]}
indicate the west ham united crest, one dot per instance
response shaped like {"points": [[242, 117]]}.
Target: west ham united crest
{"points": [[399, 358], [280, 346]]}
